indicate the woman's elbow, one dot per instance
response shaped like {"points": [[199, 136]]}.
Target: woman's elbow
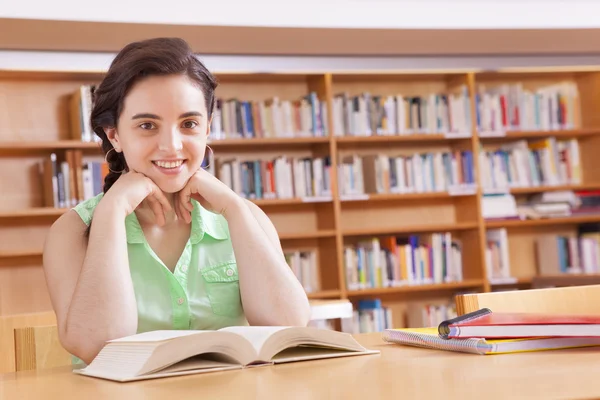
{"points": [[86, 349]]}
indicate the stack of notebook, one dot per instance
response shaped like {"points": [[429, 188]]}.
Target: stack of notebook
{"points": [[486, 332]]}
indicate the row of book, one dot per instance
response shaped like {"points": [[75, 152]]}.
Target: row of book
{"points": [[546, 162], [415, 173], [67, 179], [305, 266], [510, 107], [369, 316], [497, 259], [499, 109], [421, 315], [577, 253], [373, 316], [559, 203], [270, 118], [368, 114], [283, 177], [80, 110], [394, 261]]}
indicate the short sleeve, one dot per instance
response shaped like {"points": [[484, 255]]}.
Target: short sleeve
{"points": [[86, 208]]}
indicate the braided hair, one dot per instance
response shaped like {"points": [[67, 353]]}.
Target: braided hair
{"points": [[137, 60]]}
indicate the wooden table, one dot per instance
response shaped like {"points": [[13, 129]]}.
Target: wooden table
{"points": [[399, 372]]}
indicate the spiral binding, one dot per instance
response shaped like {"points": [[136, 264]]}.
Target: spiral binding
{"points": [[429, 341]]}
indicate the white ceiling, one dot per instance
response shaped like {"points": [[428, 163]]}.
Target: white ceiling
{"points": [[416, 14]]}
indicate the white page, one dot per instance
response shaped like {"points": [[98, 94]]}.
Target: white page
{"points": [[156, 336], [256, 335]]}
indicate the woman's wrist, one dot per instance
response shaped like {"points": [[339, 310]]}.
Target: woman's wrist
{"points": [[235, 205], [110, 207]]}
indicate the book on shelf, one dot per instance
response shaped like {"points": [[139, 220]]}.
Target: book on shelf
{"points": [[406, 173], [68, 180], [368, 114], [497, 260], [270, 118], [513, 107], [398, 261], [370, 316], [305, 267], [429, 313], [281, 177], [546, 162], [158, 354], [499, 206], [576, 253], [429, 338], [80, 110]]}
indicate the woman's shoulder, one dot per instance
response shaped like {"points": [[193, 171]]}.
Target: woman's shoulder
{"points": [[86, 208]]}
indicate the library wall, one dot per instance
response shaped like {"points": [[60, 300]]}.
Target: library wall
{"points": [[396, 191]]}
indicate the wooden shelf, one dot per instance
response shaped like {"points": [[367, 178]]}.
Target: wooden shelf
{"points": [[20, 253], [517, 223], [513, 135], [467, 284], [416, 138], [294, 201], [307, 235], [374, 197], [268, 141], [43, 146], [541, 189], [459, 226], [324, 294], [46, 147], [33, 212]]}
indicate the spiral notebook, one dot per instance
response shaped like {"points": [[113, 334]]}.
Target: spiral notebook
{"points": [[429, 338]]}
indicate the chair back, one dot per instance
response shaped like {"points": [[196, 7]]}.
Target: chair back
{"points": [[8, 324], [38, 347], [581, 300]]}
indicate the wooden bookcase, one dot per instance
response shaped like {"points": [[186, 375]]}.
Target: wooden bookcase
{"points": [[34, 121]]}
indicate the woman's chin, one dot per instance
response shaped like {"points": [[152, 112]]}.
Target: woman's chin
{"points": [[171, 185]]}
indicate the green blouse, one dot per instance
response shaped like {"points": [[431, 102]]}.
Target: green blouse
{"points": [[203, 291]]}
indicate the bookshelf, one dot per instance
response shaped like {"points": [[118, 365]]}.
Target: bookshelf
{"points": [[346, 214]]}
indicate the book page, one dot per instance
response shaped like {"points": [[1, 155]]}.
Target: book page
{"points": [[155, 336], [256, 335]]}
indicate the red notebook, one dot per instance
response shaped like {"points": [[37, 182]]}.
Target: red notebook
{"points": [[486, 324]]}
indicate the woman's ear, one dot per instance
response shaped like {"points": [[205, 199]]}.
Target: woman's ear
{"points": [[113, 136]]}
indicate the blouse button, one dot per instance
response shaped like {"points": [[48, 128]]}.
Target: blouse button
{"points": [[184, 268], [230, 272], [180, 301]]}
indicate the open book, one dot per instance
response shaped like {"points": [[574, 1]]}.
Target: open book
{"points": [[159, 354]]}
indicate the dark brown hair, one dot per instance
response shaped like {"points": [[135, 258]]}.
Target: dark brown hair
{"points": [[137, 60]]}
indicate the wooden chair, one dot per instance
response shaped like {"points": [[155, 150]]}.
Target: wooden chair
{"points": [[580, 300], [20, 334], [39, 347]]}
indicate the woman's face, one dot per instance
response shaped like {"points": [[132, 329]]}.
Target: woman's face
{"points": [[162, 130]]}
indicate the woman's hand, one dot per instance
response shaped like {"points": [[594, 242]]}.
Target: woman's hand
{"points": [[131, 189], [210, 192]]}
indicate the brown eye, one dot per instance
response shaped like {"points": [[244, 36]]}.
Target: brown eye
{"points": [[147, 125], [190, 124]]}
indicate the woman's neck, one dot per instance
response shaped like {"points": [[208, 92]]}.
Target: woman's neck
{"points": [[146, 215]]}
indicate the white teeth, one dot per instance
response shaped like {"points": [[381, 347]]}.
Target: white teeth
{"points": [[169, 164]]}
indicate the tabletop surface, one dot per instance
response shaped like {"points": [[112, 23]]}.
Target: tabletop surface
{"points": [[398, 372]]}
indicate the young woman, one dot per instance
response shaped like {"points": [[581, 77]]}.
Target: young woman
{"points": [[166, 245]]}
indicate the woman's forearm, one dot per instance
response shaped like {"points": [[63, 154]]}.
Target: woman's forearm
{"points": [[103, 306], [271, 293]]}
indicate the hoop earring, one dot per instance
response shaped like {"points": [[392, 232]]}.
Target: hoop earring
{"points": [[108, 164], [212, 154]]}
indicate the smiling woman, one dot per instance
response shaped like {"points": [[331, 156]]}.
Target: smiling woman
{"points": [[166, 245]]}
